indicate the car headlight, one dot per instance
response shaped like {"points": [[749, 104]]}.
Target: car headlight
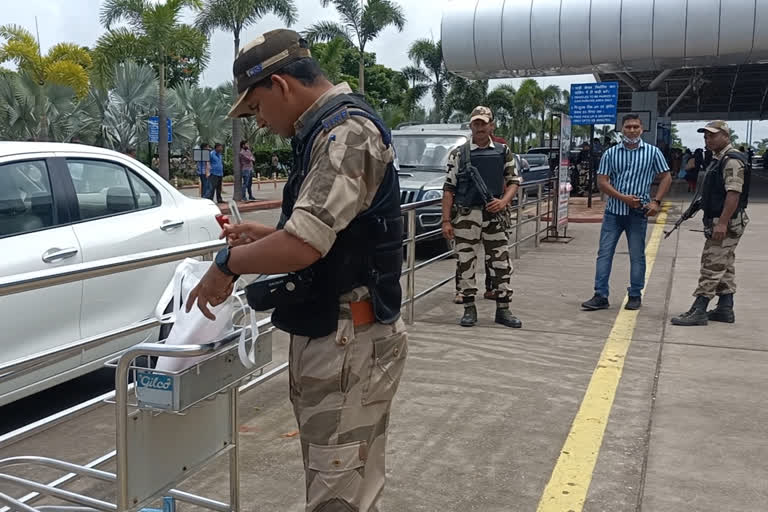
{"points": [[432, 194]]}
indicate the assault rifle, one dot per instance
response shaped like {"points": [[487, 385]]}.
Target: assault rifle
{"points": [[694, 207], [482, 188]]}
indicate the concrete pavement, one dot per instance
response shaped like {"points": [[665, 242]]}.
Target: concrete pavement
{"points": [[482, 414]]}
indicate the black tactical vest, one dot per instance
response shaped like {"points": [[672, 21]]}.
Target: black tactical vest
{"points": [[490, 163], [713, 189], [368, 252]]}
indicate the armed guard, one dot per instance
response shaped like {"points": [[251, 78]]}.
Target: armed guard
{"points": [[330, 270], [724, 196], [475, 212]]}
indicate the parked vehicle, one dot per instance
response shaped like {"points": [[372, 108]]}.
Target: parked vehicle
{"points": [[63, 204], [422, 154], [535, 168]]}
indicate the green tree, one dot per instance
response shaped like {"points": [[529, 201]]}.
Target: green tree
{"points": [[427, 53], [386, 86], [233, 16], [330, 56], [65, 64], [154, 33], [677, 142], [549, 98], [119, 115], [361, 22], [734, 136], [24, 103], [464, 95], [418, 88]]}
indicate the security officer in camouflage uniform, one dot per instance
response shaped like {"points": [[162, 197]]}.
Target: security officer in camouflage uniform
{"points": [[724, 194], [341, 233], [472, 222]]}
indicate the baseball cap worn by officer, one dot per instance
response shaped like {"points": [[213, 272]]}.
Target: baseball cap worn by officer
{"points": [[262, 57], [715, 126], [482, 113]]}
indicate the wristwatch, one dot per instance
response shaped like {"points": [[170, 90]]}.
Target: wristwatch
{"points": [[222, 262], [656, 201]]}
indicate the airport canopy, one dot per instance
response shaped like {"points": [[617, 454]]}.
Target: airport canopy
{"points": [[706, 58]]}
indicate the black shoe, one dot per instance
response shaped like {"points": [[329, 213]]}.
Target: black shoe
{"points": [[470, 316], [633, 303], [697, 315], [595, 303], [721, 315], [724, 310], [505, 317]]}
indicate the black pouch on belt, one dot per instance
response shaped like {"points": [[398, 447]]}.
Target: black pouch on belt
{"points": [[270, 291]]}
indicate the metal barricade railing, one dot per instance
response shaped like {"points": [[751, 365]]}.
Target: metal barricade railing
{"points": [[522, 204], [193, 420]]}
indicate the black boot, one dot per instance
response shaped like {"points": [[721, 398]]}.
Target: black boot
{"points": [[505, 317], [724, 310], [470, 315], [697, 315]]}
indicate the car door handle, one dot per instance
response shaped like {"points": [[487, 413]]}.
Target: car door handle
{"points": [[56, 254], [170, 224]]}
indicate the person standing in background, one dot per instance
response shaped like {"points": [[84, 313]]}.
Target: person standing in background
{"points": [[216, 173], [203, 171], [246, 169]]}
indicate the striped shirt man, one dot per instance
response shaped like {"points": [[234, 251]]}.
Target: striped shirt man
{"points": [[631, 172]]}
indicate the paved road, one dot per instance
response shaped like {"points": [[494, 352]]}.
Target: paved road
{"points": [[268, 191]]}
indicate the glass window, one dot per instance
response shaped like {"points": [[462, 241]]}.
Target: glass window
{"points": [[26, 201], [425, 151], [102, 188], [146, 196]]}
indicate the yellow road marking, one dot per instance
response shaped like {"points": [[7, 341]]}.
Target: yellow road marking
{"points": [[568, 486]]}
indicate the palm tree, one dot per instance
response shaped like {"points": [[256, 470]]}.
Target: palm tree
{"points": [[234, 16], [501, 101], [550, 99], [24, 104], [116, 114], [154, 33], [330, 57], [362, 19], [464, 95], [208, 110], [65, 64], [427, 53]]}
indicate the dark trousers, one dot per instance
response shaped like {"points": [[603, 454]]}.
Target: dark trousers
{"points": [[634, 226], [203, 185], [247, 179], [214, 185]]}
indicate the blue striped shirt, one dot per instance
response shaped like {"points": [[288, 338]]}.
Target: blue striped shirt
{"points": [[631, 172]]}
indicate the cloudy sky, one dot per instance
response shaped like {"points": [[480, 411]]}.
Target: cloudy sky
{"points": [[78, 21]]}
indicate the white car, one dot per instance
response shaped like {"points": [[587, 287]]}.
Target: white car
{"points": [[62, 204]]}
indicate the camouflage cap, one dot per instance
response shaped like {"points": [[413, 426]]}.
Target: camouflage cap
{"points": [[715, 126], [483, 113], [262, 57]]}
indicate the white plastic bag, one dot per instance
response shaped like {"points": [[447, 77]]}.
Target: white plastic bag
{"points": [[193, 328], [248, 357]]}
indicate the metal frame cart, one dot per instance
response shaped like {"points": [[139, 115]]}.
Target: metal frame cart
{"points": [[169, 426]]}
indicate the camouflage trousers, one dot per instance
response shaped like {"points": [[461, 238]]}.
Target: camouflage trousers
{"points": [[341, 388], [718, 275], [473, 227]]}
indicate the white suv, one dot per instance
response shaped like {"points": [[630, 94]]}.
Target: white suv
{"points": [[62, 204]]}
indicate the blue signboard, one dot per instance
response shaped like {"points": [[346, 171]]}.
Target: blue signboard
{"points": [[154, 129], [594, 103]]}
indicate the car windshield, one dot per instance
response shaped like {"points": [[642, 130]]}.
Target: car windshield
{"points": [[535, 160], [429, 151]]}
